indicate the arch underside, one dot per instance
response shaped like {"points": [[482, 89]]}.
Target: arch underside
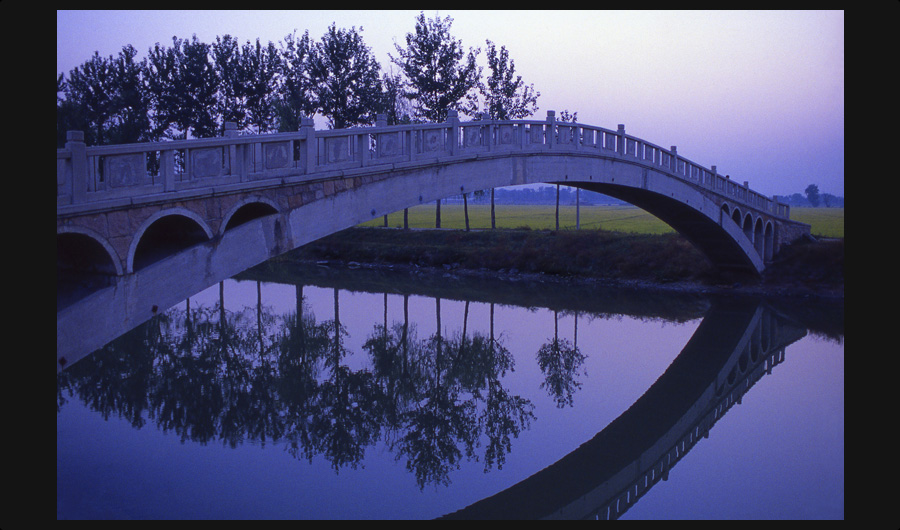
{"points": [[670, 199], [704, 233]]}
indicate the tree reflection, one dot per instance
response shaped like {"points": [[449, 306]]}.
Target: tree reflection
{"points": [[560, 362], [210, 374], [439, 427]]}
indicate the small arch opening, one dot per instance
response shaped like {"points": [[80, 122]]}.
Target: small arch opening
{"points": [[769, 242], [758, 242], [748, 226], [167, 235], [249, 212], [83, 266]]}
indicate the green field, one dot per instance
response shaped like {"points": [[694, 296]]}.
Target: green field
{"points": [[827, 222], [824, 222], [537, 217]]}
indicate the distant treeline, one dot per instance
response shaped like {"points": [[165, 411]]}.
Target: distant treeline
{"points": [[826, 200], [567, 196], [542, 195]]}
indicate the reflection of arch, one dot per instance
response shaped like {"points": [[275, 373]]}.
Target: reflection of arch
{"points": [[165, 233], [610, 472], [246, 210]]}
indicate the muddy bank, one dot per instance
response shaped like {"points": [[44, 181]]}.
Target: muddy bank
{"points": [[648, 262]]}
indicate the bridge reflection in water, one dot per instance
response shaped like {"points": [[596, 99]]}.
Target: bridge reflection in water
{"points": [[737, 343], [289, 385]]}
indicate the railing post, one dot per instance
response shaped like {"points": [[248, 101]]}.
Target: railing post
{"points": [[236, 153], [550, 132], [363, 143], [487, 130], [75, 145], [167, 168], [620, 146], [674, 167], [453, 121], [380, 121], [308, 160]]}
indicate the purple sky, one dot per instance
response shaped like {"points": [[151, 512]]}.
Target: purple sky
{"points": [[759, 94]]}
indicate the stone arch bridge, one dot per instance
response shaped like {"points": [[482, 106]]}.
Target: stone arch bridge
{"points": [[141, 227]]}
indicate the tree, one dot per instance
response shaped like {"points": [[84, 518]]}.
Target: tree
{"points": [[182, 86], [130, 119], [394, 105], [106, 98], [296, 94], [345, 78], [232, 80], [89, 94], [812, 194], [261, 66], [505, 98], [438, 78], [441, 77], [568, 118]]}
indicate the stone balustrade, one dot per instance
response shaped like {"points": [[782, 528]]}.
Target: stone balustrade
{"points": [[128, 173]]}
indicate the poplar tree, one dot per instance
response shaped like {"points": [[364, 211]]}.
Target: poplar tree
{"points": [[88, 98], [440, 75], [345, 78], [232, 79], [182, 86], [106, 98], [261, 66], [506, 98], [296, 99]]}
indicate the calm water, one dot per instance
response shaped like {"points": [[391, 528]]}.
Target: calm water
{"points": [[235, 410]]}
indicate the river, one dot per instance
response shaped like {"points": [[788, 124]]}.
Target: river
{"points": [[417, 396]]}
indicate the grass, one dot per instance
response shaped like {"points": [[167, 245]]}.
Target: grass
{"points": [[588, 253], [616, 242], [628, 219], [824, 222]]}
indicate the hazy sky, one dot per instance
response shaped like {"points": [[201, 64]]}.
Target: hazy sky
{"points": [[759, 94]]}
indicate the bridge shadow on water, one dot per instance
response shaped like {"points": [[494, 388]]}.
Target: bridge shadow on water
{"points": [[289, 385]]}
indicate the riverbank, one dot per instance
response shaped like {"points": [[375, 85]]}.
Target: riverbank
{"points": [[663, 262]]}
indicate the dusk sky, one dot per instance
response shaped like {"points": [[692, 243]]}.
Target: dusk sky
{"points": [[759, 94]]}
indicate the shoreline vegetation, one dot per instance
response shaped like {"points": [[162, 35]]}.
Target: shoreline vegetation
{"points": [[667, 261]]}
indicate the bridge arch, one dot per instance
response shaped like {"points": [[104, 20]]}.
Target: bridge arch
{"points": [[82, 249], [736, 216], [724, 212], [247, 209], [340, 178], [166, 233], [747, 225], [758, 242], [769, 247], [682, 205]]}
